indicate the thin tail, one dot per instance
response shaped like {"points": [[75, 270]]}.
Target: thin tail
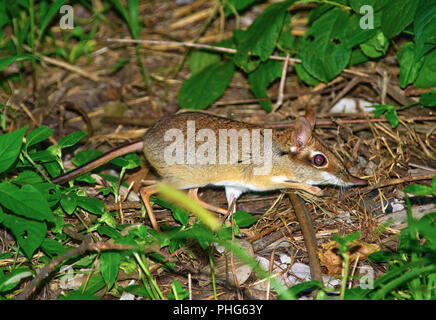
{"points": [[131, 147]]}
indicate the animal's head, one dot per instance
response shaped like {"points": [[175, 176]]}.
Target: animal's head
{"points": [[314, 163]]}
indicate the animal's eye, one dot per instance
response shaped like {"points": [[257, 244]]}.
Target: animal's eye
{"points": [[319, 160]]}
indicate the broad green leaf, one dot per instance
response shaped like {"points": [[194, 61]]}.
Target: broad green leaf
{"points": [[243, 219], [27, 177], [327, 37], [37, 135], [86, 156], [53, 168], [109, 231], [380, 109], [418, 189], [91, 204], [397, 15], [13, 278], [52, 247], [205, 87], [409, 65], [108, 219], [305, 76], [376, 46], [109, 266], [257, 43], [424, 26], [262, 77], [71, 139], [392, 116], [428, 99], [52, 12], [356, 5], [202, 59], [42, 156], [29, 233], [426, 76], [137, 290], [49, 191], [10, 147], [26, 202], [357, 56], [133, 160], [357, 35]]}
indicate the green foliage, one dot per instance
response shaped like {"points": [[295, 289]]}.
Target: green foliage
{"points": [[334, 41]]}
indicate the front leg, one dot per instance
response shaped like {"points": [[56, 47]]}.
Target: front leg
{"points": [[302, 186]]}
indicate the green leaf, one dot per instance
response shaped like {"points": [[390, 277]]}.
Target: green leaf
{"points": [[375, 4], [50, 192], [6, 62], [91, 204], [418, 189], [26, 202], [52, 247], [109, 231], [428, 99], [71, 139], [202, 59], [397, 15], [10, 147], [52, 11], [109, 265], [137, 290], [179, 214], [134, 15], [392, 116], [205, 87], [28, 233], [327, 37], [243, 219], [426, 76], [86, 156], [409, 65], [121, 9], [257, 43], [133, 160], [305, 76], [262, 77], [376, 46], [27, 177], [43, 156], [37, 135], [78, 295], [357, 56], [424, 26], [13, 278]]}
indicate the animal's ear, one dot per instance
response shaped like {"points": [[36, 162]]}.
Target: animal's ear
{"points": [[302, 132], [310, 116]]}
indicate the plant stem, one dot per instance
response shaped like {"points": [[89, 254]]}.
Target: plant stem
{"points": [[346, 267]]}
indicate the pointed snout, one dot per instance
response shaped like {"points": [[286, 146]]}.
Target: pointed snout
{"points": [[357, 181]]}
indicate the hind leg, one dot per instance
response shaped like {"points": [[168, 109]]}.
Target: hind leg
{"points": [[146, 192], [193, 193]]}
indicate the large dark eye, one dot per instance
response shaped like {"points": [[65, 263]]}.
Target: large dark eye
{"points": [[319, 160]]}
